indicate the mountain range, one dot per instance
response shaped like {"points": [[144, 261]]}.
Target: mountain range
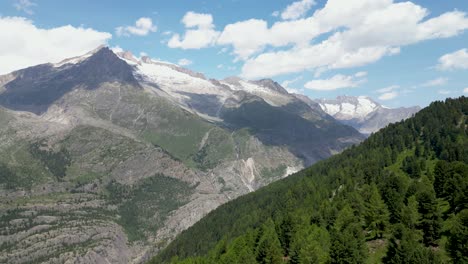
{"points": [[107, 157], [399, 197], [363, 113]]}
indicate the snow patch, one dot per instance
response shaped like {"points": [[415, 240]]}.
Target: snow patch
{"points": [[331, 109]]}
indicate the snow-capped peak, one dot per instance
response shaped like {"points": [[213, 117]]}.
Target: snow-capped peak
{"points": [[78, 59], [348, 107]]}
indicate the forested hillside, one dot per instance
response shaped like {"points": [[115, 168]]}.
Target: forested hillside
{"points": [[399, 197]]}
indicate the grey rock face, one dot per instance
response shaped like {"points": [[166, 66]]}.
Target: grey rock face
{"points": [[104, 159]]}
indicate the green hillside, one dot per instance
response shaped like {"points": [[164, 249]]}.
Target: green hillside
{"points": [[399, 197]]}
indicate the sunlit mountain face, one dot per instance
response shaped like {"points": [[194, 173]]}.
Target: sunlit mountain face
{"points": [[324, 128]]}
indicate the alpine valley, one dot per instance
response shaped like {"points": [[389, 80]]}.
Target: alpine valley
{"points": [[105, 157]]}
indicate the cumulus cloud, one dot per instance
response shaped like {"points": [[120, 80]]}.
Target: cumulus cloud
{"points": [[143, 26], [435, 82], [200, 32], [247, 37], [23, 44], [362, 32], [184, 62], [341, 34], [297, 9], [25, 6], [454, 60], [465, 91], [338, 81]]}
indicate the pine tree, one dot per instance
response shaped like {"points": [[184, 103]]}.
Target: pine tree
{"points": [[376, 213], [310, 245], [269, 247], [347, 239], [410, 216], [457, 245], [431, 221], [405, 248]]}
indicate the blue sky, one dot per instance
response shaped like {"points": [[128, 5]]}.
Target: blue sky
{"points": [[399, 53]]}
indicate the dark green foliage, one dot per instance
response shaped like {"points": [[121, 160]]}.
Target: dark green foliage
{"points": [[392, 189], [458, 238], [8, 177], [137, 204], [431, 221], [405, 247], [398, 189], [55, 161], [347, 239], [376, 214], [268, 249], [310, 245]]}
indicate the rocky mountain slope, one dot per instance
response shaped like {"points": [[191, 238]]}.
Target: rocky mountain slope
{"points": [[363, 113], [399, 197], [106, 157]]}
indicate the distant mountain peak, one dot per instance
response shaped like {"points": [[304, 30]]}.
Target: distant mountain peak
{"points": [[272, 85], [35, 88], [363, 112]]}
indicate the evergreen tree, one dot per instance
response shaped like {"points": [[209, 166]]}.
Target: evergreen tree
{"points": [[376, 213], [310, 245], [348, 244], [269, 247], [457, 245], [405, 248], [410, 216], [431, 221]]}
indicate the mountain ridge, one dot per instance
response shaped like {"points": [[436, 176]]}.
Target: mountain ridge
{"points": [[364, 113], [88, 142], [392, 199]]}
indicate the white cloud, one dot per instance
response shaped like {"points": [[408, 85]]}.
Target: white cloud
{"points": [[287, 83], [25, 6], [342, 34], [388, 95], [435, 82], [143, 26], [297, 9], [200, 32], [445, 92], [219, 66], [465, 91], [23, 44], [361, 74], [389, 92], [247, 37], [388, 89], [275, 14], [362, 32], [454, 60], [184, 62], [338, 81]]}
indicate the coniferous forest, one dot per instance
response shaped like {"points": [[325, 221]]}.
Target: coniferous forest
{"points": [[399, 197]]}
